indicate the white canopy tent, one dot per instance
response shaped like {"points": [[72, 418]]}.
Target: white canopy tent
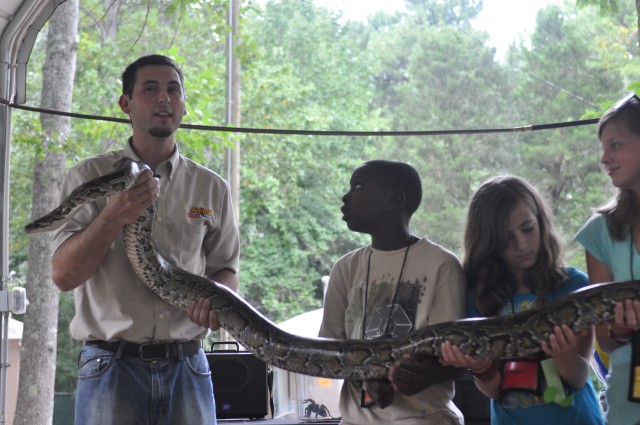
{"points": [[20, 22]]}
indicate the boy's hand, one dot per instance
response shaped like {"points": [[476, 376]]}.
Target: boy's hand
{"points": [[381, 392], [412, 374]]}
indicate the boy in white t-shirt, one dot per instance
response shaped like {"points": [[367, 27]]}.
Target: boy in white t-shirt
{"points": [[395, 285]]}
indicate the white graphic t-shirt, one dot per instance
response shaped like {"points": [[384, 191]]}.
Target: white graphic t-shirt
{"points": [[431, 290]]}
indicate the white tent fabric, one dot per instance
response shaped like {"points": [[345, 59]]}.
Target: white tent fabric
{"points": [[305, 324]]}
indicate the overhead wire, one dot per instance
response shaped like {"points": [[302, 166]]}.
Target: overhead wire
{"points": [[231, 129]]}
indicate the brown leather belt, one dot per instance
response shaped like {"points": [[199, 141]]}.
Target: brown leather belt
{"points": [[152, 351]]}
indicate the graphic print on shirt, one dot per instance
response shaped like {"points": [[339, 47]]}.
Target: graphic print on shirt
{"points": [[397, 319]]}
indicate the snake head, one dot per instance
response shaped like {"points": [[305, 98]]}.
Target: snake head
{"points": [[135, 167]]}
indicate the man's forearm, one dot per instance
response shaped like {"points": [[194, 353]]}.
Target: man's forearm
{"points": [[80, 256], [228, 278]]}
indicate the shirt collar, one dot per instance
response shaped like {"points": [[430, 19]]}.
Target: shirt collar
{"points": [[165, 168]]}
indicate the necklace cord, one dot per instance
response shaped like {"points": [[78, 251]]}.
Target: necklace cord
{"points": [[395, 292], [631, 246]]}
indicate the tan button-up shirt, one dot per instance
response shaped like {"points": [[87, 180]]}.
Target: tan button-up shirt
{"points": [[194, 229]]}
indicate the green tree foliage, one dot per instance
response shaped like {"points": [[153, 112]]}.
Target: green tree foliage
{"points": [[455, 13]]}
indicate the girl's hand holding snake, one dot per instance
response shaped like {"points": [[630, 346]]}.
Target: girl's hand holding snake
{"points": [[452, 356]]}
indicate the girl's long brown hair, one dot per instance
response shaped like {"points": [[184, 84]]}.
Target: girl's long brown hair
{"points": [[485, 239]]}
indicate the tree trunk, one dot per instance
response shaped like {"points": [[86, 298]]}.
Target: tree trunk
{"points": [[109, 27], [38, 353]]}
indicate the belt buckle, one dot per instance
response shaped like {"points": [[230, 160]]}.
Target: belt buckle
{"points": [[141, 351]]}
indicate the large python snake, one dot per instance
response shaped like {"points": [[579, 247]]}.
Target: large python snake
{"points": [[506, 336]]}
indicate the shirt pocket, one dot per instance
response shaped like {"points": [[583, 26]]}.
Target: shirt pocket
{"points": [[191, 254]]}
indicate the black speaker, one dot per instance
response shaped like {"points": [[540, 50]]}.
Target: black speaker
{"points": [[240, 383]]}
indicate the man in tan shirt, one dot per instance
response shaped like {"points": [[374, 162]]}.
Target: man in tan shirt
{"points": [[142, 361]]}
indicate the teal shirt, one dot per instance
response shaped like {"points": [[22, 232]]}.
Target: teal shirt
{"points": [[527, 408], [623, 262]]}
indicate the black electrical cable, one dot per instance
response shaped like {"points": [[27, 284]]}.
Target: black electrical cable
{"points": [[229, 129]]}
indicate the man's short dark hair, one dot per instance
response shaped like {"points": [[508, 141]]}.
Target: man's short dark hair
{"points": [[400, 176], [129, 74]]}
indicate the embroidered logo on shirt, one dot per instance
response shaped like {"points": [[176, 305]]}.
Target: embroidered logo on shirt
{"points": [[196, 212]]}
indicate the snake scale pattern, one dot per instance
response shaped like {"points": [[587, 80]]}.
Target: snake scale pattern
{"points": [[506, 336]]}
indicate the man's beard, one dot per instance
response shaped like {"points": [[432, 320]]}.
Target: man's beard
{"points": [[161, 132]]}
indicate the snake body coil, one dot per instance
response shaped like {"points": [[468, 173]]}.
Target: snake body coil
{"points": [[506, 336]]}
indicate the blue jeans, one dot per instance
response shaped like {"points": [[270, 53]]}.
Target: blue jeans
{"points": [[114, 390]]}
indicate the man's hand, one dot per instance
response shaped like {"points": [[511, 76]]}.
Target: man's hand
{"points": [[201, 314], [125, 207], [381, 392]]}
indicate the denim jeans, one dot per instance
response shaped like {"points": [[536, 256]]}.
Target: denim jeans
{"points": [[114, 390]]}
